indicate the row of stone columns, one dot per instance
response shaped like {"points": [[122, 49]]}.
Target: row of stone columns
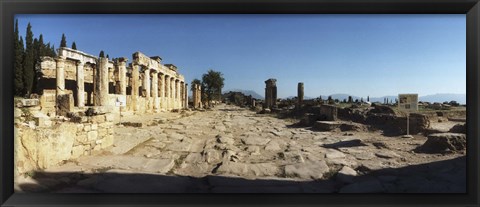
{"points": [[165, 90], [60, 79]]}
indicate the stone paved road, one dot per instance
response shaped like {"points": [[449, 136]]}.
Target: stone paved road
{"points": [[231, 149]]}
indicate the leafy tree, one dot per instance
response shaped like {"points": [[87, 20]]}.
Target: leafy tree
{"points": [[213, 83], [28, 62], [330, 98], [63, 42], [368, 98], [108, 56], [361, 99], [350, 99], [74, 46], [18, 64], [102, 54], [195, 81]]}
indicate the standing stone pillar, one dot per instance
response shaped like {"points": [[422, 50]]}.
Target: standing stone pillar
{"points": [[100, 97], [172, 93], [197, 98], [198, 91], [80, 84], [300, 95], [270, 93], [167, 92], [122, 74], [162, 90], [135, 86], [146, 83], [155, 90], [185, 96], [60, 75], [177, 94]]}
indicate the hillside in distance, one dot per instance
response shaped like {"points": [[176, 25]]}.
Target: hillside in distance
{"points": [[246, 92]]}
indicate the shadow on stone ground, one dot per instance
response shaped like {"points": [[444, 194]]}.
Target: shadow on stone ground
{"points": [[447, 176]]}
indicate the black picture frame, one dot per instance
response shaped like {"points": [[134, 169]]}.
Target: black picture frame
{"points": [[8, 8]]}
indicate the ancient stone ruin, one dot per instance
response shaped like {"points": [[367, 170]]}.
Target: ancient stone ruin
{"points": [[80, 94], [197, 96], [270, 94], [300, 94], [146, 85]]}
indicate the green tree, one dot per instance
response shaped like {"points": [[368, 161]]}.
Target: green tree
{"points": [[350, 99], [213, 83], [102, 54], [368, 98], [63, 42], [28, 62], [52, 51], [74, 46], [18, 64]]}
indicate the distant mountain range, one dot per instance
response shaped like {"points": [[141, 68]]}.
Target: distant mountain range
{"points": [[246, 92], [439, 97]]}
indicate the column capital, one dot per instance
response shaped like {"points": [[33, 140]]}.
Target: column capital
{"points": [[60, 59], [80, 63]]}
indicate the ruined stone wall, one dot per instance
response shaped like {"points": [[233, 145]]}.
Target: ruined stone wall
{"points": [[328, 113], [38, 145]]}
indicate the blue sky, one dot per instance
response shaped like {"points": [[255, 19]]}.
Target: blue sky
{"points": [[361, 55]]}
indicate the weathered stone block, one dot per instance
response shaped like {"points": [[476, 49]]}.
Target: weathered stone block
{"points": [[87, 128], [64, 104], [17, 113], [102, 132], [109, 117], [80, 127], [328, 113], [92, 135], [43, 122], [94, 127], [107, 141], [28, 102], [82, 139], [77, 151], [100, 110], [98, 119], [441, 142]]}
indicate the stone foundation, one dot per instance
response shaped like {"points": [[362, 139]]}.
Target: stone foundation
{"points": [[39, 145]]}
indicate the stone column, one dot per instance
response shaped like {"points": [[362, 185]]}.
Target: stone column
{"points": [[167, 92], [60, 75], [270, 93], [155, 90], [178, 99], [100, 97], [300, 95], [162, 90], [172, 93], [80, 84], [146, 83], [186, 96], [135, 86], [122, 74]]}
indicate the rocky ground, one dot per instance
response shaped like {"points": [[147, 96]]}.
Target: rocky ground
{"points": [[230, 149]]}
